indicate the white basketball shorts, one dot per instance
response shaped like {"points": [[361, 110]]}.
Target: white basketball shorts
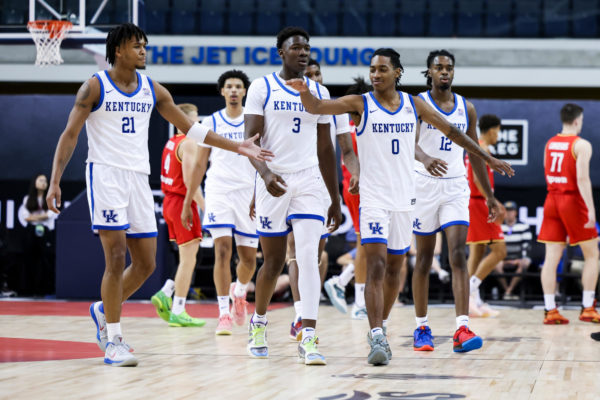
{"points": [[392, 228]]}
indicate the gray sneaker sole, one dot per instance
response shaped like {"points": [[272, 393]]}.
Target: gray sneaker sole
{"points": [[378, 356]]}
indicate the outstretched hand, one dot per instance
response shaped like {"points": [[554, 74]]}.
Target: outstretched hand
{"points": [[501, 167], [249, 149], [298, 84]]}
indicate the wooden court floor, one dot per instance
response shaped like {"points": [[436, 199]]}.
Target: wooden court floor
{"points": [[521, 359]]}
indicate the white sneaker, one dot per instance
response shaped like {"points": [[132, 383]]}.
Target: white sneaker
{"points": [[97, 314], [444, 276], [117, 354], [337, 294], [359, 312]]}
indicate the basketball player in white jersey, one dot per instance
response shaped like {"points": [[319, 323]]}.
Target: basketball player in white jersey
{"points": [[116, 105], [340, 129], [228, 188], [442, 203], [289, 189], [386, 150]]}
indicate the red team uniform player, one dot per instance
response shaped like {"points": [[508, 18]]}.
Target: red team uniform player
{"points": [[565, 212], [480, 231], [352, 200], [172, 185]]}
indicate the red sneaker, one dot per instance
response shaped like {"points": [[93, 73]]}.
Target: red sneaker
{"points": [[466, 340], [553, 317]]}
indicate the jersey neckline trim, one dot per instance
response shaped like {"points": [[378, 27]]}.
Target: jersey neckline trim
{"points": [[438, 107], [139, 78], [283, 86], [229, 122], [385, 109]]}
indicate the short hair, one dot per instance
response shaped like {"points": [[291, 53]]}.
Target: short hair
{"points": [[394, 57], [187, 108], [288, 32], [432, 55], [234, 73], [360, 86], [488, 121], [119, 35], [570, 112], [312, 61]]}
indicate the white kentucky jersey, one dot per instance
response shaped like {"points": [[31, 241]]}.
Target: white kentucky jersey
{"points": [[117, 127], [340, 124], [290, 131], [228, 171], [435, 144], [386, 150]]}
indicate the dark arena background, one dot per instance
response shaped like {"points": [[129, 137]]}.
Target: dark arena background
{"points": [[521, 60]]}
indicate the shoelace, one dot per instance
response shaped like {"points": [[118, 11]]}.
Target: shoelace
{"points": [[258, 335]]}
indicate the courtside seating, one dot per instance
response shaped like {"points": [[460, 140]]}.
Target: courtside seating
{"points": [[268, 17], [527, 18], [297, 13], [325, 17], [412, 18], [470, 18], [354, 13], [498, 18], [241, 17], [441, 18], [212, 17], [556, 18], [156, 16], [585, 18], [183, 17], [383, 17]]}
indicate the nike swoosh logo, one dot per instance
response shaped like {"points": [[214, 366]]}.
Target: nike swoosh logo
{"points": [[372, 111], [276, 90], [108, 91]]}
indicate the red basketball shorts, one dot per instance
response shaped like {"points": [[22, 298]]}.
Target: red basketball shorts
{"points": [[172, 205], [353, 203], [481, 231], [565, 215]]}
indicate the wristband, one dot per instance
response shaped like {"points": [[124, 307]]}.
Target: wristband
{"points": [[198, 132]]}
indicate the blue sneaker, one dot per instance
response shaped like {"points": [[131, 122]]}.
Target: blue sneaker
{"points": [[337, 294], [423, 339], [97, 314]]}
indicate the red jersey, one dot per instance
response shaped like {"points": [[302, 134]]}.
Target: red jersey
{"points": [[345, 173], [171, 175], [474, 189], [560, 164]]}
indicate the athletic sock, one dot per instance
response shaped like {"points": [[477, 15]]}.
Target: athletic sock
{"points": [[549, 303], [113, 329], [307, 333], [474, 283], [462, 320], [168, 288], [258, 319], [376, 331], [346, 275], [178, 305], [588, 298], [422, 321], [359, 294], [223, 305], [298, 309], [239, 288]]}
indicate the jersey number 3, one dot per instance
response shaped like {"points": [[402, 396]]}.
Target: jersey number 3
{"points": [[128, 125], [296, 128]]}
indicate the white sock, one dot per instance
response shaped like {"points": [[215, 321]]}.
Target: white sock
{"points": [[178, 305], [307, 233], [168, 288], [240, 288], [307, 334], [474, 283], [549, 303], [346, 275], [298, 308], [258, 319], [376, 331], [359, 294], [223, 305], [384, 324], [588, 298], [113, 330], [422, 321], [462, 320]]}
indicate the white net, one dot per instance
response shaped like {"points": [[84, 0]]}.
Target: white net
{"points": [[47, 36]]}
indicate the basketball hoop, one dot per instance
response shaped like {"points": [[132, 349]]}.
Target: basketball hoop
{"points": [[47, 36]]}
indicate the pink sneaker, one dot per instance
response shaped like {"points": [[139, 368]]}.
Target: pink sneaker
{"points": [[488, 311], [474, 311], [225, 325], [239, 309]]}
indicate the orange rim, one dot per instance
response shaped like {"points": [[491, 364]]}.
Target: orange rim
{"points": [[55, 28]]}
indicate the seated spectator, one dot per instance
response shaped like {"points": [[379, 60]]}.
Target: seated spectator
{"points": [[518, 240]]}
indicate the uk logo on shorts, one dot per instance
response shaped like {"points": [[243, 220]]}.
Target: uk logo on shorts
{"points": [[266, 224], [110, 216], [416, 224], [375, 228], [211, 217]]}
